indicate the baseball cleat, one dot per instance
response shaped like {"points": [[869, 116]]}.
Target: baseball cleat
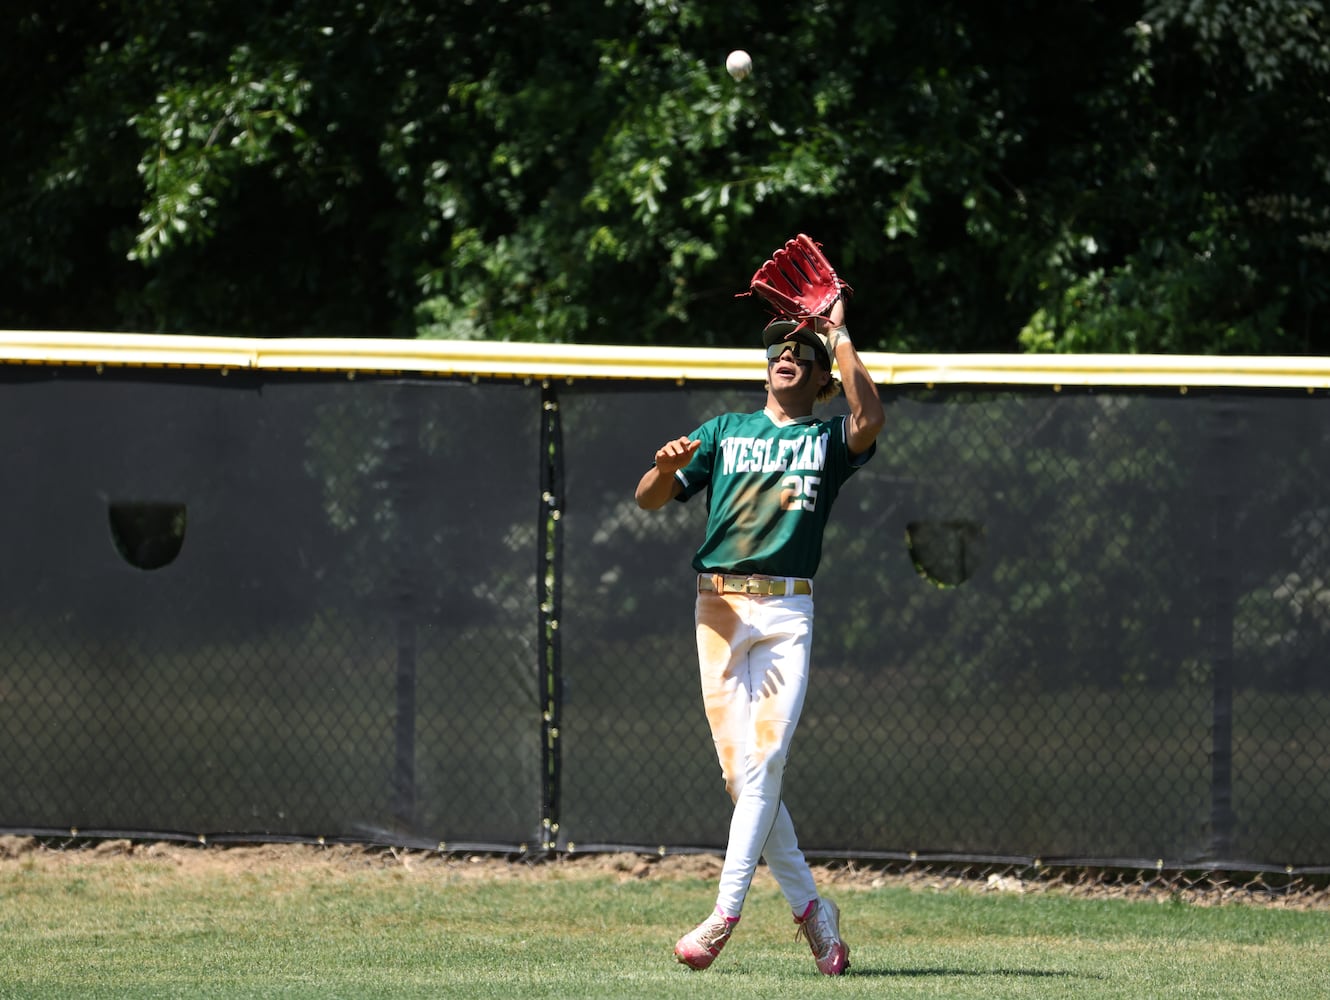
{"points": [[699, 947], [820, 927]]}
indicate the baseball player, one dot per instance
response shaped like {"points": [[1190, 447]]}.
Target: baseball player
{"points": [[771, 478]]}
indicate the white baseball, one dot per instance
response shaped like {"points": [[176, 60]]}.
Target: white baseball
{"points": [[739, 63]]}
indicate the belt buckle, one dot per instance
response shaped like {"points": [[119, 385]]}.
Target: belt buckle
{"points": [[755, 587]]}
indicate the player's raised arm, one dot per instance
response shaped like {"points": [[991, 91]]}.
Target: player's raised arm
{"points": [[658, 485], [866, 414]]}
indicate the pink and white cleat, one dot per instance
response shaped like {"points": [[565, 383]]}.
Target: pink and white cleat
{"points": [[820, 927], [699, 947]]}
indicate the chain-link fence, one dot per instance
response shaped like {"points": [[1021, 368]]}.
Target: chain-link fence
{"points": [[1076, 628]]}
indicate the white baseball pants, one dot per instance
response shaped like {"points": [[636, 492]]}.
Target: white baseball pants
{"points": [[753, 655]]}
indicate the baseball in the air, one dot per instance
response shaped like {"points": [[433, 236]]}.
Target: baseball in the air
{"points": [[739, 63]]}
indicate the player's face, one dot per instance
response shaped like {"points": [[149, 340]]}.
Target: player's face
{"points": [[794, 368]]}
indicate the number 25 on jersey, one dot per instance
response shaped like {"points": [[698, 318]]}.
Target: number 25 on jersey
{"points": [[799, 492]]}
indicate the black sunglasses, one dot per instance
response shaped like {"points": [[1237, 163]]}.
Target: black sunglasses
{"points": [[800, 350]]}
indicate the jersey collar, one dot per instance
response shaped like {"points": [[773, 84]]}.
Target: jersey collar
{"points": [[788, 423]]}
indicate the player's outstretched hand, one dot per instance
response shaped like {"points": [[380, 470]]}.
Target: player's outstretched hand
{"points": [[674, 455]]}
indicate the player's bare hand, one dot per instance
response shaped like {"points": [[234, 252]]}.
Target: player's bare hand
{"points": [[674, 455]]}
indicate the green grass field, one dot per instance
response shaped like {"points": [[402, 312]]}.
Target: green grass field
{"points": [[182, 922]]}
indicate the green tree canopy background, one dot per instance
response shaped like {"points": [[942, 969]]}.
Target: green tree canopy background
{"points": [[1074, 176]]}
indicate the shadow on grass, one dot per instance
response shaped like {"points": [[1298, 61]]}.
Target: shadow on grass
{"points": [[856, 970], [875, 972]]}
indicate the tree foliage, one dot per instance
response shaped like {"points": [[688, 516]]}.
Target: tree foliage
{"points": [[1027, 176]]}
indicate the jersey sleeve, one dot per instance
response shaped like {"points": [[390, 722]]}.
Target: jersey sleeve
{"points": [[844, 464]]}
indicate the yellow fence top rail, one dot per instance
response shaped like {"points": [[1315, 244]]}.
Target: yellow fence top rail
{"points": [[485, 359]]}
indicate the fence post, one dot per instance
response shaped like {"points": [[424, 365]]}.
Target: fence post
{"points": [[550, 587], [406, 458], [1220, 628]]}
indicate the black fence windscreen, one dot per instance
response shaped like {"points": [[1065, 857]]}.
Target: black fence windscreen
{"points": [[342, 643], [1082, 626]]}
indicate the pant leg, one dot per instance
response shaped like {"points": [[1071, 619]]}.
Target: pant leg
{"points": [[753, 656], [787, 863]]}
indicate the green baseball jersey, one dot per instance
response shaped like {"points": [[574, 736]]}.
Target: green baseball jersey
{"points": [[770, 488]]}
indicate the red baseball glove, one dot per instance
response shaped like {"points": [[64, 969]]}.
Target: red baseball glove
{"points": [[798, 281]]}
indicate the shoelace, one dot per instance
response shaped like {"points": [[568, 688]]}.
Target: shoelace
{"points": [[715, 932], [816, 933]]}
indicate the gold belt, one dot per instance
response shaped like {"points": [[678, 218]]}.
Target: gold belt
{"points": [[757, 586]]}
